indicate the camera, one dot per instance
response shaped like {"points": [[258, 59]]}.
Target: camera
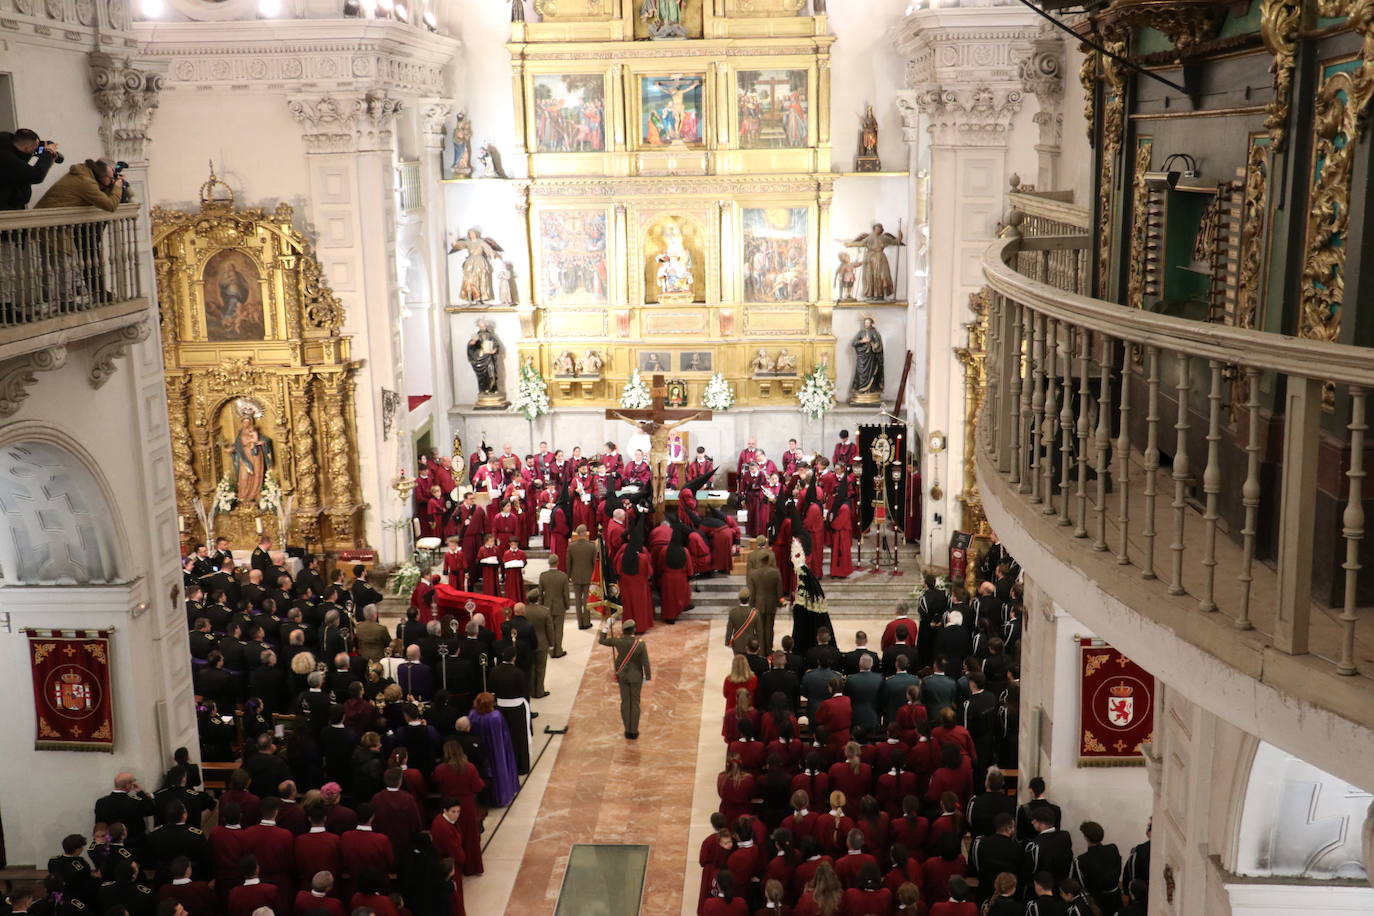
{"points": [[120, 166], [43, 149]]}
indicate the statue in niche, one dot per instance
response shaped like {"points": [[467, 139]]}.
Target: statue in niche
{"points": [[490, 157], [674, 275], [505, 284], [761, 363], [480, 251], [664, 18], [250, 454], [867, 384], [867, 160], [462, 147], [786, 364], [565, 364], [484, 350], [591, 364], [877, 273]]}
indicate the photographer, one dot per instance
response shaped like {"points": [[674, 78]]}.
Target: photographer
{"points": [[17, 174], [93, 183]]}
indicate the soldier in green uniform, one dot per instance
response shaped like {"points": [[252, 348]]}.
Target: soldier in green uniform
{"points": [[631, 666]]}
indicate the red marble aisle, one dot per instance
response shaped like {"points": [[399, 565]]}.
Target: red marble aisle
{"points": [[605, 789]]}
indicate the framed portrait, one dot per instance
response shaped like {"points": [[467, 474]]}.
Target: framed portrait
{"points": [[233, 297], [694, 361], [776, 241], [572, 257], [569, 113], [677, 392], [671, 110], [651, 361], [773, 108]]}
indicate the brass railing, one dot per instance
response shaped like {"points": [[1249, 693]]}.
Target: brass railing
{"points": [[1086, 422], [65, 261]]}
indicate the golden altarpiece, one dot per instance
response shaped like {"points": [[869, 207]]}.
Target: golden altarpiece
{"points": [[677, 209], [259, 379]]}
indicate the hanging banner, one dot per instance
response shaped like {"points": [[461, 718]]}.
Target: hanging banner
{"points": [[1117, 707], [71, 690]]}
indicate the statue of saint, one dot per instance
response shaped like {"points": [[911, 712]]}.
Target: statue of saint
{"points": [[483, 351], [674, 274], [877, 274], [591, 364], [664, 18], [462, 147], [761, 363], [867, 386], [786, 364], [868, 133], [505, 284], [251, 457], [564, 364], [481, 252]]}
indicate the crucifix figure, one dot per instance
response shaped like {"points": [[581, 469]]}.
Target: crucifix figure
{"points": [[653, 423]]}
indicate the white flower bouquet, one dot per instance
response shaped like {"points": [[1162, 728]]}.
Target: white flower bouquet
{"points": [[718, 395]]}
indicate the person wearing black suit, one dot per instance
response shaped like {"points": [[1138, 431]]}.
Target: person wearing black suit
{"points": [[849, 661], [262, 559], [233, 648], [269, 684], [129, 805], [979, 716], [1024, 830], [984, 808], [215, 682], [221, 552], [953, 640], [1049, 850], [1098, 869], [994, 853], [252, 593], [363, 594], [195, 603], [314, 703], [430, 642], [778, 679], [411, 630], [202, 640], [266, 768], [824, 654], [336, 744], [792, 661], [754, 656], [201, 562], [890, 654], [309, 577]]}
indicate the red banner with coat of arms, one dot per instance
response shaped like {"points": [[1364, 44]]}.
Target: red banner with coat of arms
{"points": [[71, 690], [1118, 707]]}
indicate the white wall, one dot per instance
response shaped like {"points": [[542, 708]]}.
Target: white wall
{"points": [[865, 69], [52, 96], [1076, 161]]}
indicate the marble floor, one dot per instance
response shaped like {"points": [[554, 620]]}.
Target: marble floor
{"points": [[591, 785]]}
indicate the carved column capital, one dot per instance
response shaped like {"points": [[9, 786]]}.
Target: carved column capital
{"points": [[16, 375], [434, 117], [126, 95], [108, 347], [346, 123], [1042, 71], [969, 116]]}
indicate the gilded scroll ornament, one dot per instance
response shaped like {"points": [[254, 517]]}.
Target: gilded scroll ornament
{"points": [[1087, 78], [1252, 234], [1113, 130], [974, 360], [1140, 224], [1279, 22], [307, 469]]}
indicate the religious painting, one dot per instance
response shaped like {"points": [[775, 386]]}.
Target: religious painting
{"points": [[677, 393], [674, 259], [572, 246], [233, 297], [670, 110], [668, 20], [651, 361], [570, 113], [772, 106], [694, 361], [775, 254]]}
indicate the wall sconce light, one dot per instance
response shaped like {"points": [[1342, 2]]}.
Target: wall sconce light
{"points": [[1166, 178]]}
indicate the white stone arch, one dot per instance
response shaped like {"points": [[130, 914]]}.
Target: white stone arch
{"points": [[58, 522]]}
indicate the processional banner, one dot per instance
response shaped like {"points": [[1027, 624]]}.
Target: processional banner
{"points": [[1117, 711], [73, 703]]}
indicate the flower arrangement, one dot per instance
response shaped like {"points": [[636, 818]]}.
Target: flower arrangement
{"points": [[269, 500], [226, 495], [817, 394], [636, 394], [718, 395], [941, 585], [531, 395]]}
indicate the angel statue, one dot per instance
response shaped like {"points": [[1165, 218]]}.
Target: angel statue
{"points": [[481, 252]]}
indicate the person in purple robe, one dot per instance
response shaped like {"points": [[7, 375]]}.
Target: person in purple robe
{"points": [[489, 727]]}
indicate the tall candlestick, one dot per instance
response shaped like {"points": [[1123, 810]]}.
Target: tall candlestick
{"points": [[258, 523]]}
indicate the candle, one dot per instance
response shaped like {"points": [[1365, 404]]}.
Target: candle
{"points": [[181, 524], [258, 522]]}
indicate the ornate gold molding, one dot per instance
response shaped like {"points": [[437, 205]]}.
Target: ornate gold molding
{"points": [[1113, 132], [1340, 115], [1252, 233], [973, 358], [1185, 22], [1140, 223], [1087, 78], [1279, 23]]}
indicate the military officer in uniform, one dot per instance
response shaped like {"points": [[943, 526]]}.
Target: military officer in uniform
{"points": [[129, 805], [124, 889], [631, 666], [262, 559], [75, 872], [196, 802], [178, 838], [553, 594], [743, 624], [581, 565]]}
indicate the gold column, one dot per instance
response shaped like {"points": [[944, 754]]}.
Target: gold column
{"points": [[823, 96], [517, 76], [620, 294], [618, 106], [337, 409], [305, 466], [824, 267], [179, 425]]}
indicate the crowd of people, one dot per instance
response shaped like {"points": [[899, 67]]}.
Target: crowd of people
{"points": [[873, 781]]}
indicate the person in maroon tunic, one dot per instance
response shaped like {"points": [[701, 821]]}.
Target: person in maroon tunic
{"points": [[448, 842], [814, 522], [316, 850], [457, 778], [841, 535], [513, 571], [781, 545], [714, 853], [274, 847], [363, 849], [634, 569], [395, 812], [489, 563], [321, 896], [675, 591], [253, 893], [473, 519], [454, 565]]}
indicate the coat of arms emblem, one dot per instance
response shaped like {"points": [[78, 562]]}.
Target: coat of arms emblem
{"points": [[1121, 705], [72, 692]]}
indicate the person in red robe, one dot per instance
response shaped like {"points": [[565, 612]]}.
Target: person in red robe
{"points": [[660, 536], [700, 552], [544, 502], [634, 567], [638, 472], [489, 479], [675, 591], [489, 561], [782, 548], [454, 565], [432, 522], [611, 459], [846, 452], [560, 529], [720, 537], [746, 456], [506, 525], [473, 519], [513, 571], [448, 842], [584, 513], [841, 536], [814, 523], [458, 778]]}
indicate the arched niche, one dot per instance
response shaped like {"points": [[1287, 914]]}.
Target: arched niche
{"points": [[655, 242], [57, 525]]}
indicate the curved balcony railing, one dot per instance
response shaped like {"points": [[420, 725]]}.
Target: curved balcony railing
{"points": [[1226, 504]]}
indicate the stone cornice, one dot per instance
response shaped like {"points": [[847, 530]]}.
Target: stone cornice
{"points": [[969, 115], [68, 24], [301, 55], [966, 45], [345, 122]]}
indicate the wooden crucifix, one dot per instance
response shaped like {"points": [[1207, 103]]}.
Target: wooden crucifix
{"points": [[654, 424]]}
